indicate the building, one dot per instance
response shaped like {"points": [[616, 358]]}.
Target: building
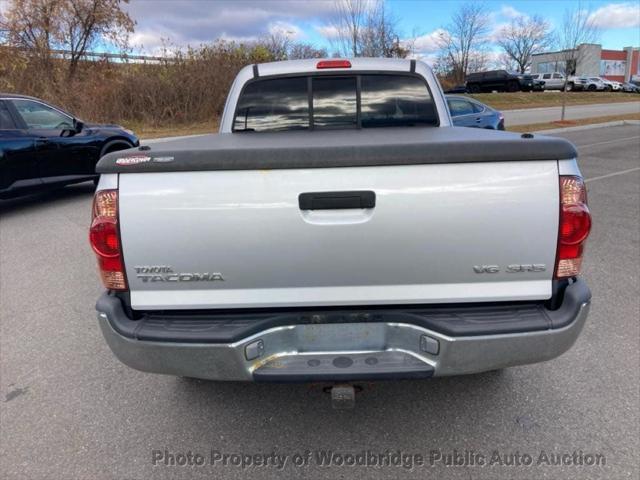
{"points": [[594, 61]]}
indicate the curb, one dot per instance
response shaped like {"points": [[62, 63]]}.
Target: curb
{"points": [[559, 107], [616, 123], [168, 139]]}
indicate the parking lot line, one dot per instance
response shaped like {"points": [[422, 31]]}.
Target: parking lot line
{"points": [[609, 141], [621, 172]]}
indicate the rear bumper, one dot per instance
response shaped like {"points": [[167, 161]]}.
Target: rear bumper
{"points": [[347, 345]]}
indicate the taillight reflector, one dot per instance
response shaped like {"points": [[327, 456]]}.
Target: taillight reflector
{"points": [[104, 237], [333, 64], [574, 226]]}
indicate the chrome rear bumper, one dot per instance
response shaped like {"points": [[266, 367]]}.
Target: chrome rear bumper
{"points": [[348, 351]]}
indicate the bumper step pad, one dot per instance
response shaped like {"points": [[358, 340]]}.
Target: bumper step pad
{"points": [[320, 367]]}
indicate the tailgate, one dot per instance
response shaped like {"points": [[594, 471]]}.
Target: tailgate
{"points": [[439, 233]]}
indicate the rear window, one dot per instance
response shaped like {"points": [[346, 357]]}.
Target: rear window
{"points": [[391, 100], [340, 101], [272, 105], [334, 102]]}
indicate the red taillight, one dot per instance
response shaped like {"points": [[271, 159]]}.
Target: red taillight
{"points": [[104, 237], [333, 64], [574, 227]]}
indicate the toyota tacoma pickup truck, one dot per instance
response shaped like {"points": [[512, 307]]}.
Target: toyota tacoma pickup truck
{"points": [[338, 228]]}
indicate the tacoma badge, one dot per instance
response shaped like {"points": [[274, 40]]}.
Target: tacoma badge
{"points": [[165, 273]]}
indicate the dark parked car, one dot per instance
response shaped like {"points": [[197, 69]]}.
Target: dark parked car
{"points": [[466, 112], [539, 85], [500, 80], [42, 146]]}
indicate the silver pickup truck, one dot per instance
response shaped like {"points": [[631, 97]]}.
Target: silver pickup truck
{"points": [[339, 228]]}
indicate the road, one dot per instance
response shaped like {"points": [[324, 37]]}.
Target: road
{"points": [[69, 410], [529, 116]]}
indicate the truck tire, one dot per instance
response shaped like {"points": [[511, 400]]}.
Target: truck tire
{"points": [[513, 87], [570, 87], [474, 88]]}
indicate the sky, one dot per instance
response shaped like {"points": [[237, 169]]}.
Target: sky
{"points": [[183, 22]]}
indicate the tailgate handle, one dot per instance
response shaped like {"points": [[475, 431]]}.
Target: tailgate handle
{"points": [[336, 200]]}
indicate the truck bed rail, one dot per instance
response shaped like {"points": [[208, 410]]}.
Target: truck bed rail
{"points": [[336, 148]]}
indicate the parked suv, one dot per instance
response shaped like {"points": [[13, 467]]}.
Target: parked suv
{"points": [[552, 81], [500, 80]]}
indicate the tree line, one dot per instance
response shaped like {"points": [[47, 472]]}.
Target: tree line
{"points": [[465, 42], [191, 83]]}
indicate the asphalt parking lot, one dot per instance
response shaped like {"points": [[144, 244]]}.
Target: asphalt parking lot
{"points": [[70, 410]]}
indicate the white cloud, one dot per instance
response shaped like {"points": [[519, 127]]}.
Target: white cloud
{"points": [[430, 59], [426, 44], [617, 15], [192, 22], [330, 32], [510, 12], [150, 41], [287, 29]]}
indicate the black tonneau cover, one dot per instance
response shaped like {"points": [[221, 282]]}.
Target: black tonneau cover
{"points": [[337, 148]]}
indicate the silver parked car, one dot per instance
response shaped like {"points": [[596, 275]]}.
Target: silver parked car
{"points": [[596, 83], [611, 85]]}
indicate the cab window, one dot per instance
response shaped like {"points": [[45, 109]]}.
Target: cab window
{"points": [[6, 122], [477, 108], [273, 105], [334, 101], [458, 106], [394, 100], [39, 116]]}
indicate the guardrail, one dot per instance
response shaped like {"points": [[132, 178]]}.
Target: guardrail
{"points": [[119, 57]]}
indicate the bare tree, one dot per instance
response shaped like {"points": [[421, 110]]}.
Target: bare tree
{"points": [[465, 35], [523, 37], [506, 62], [478, 60], [76, 26], [366, 28], [348, 22], [86, 22], [379, 37], [305, 50], [578, 27], [278, 44], [32, 25]]}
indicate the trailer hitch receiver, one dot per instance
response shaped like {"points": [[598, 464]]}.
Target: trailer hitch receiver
{"points": [[343, 397]]}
